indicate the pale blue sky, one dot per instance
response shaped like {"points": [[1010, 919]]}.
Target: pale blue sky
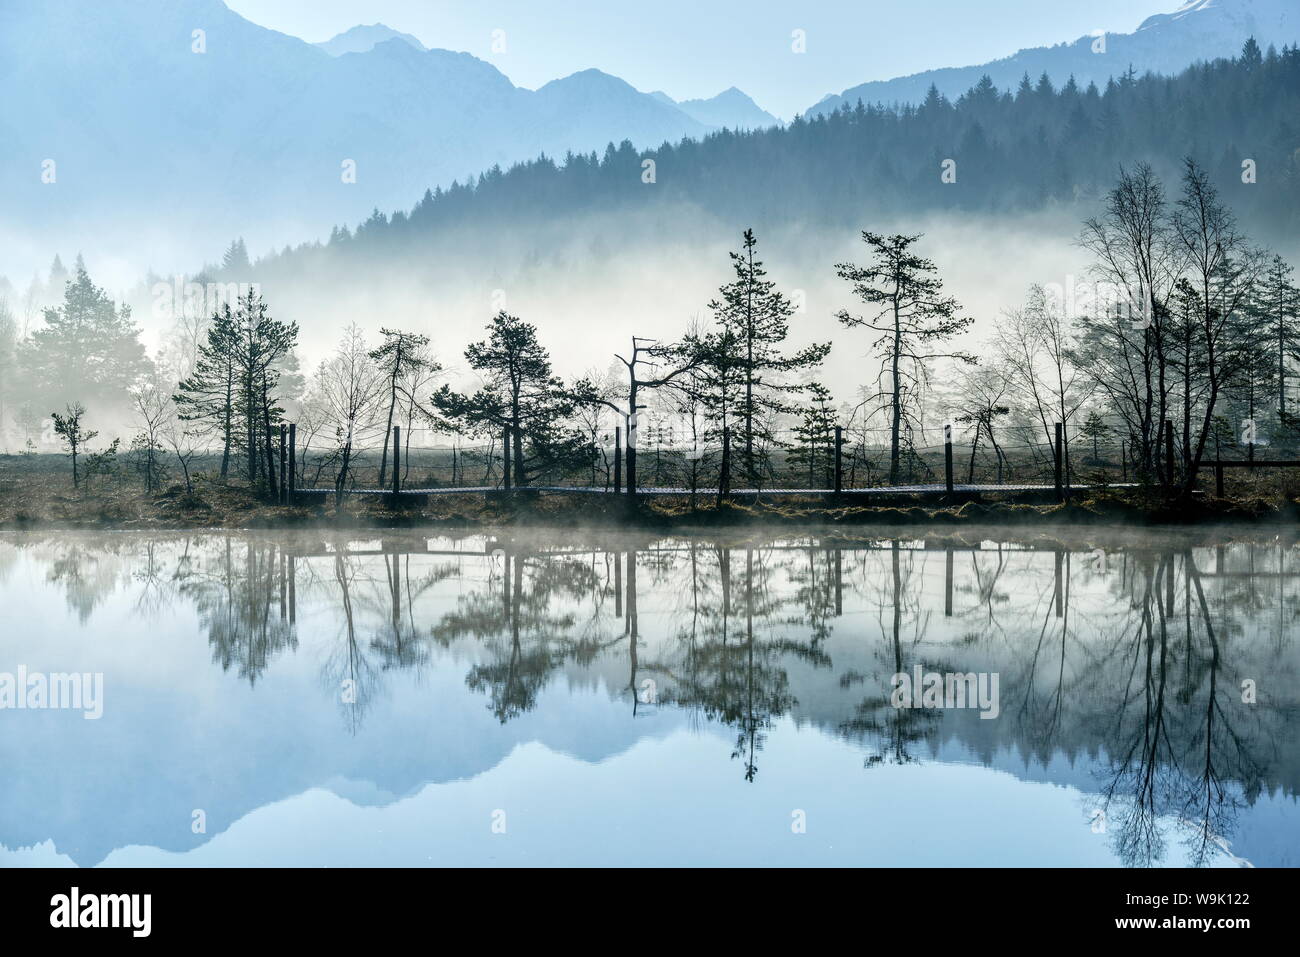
{"points": [[689, 48]]}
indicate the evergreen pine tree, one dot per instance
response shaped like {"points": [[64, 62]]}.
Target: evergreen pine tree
{"points": [[754, 319], [814, 443], [88, 345], [207, 396], [913, 321], [235, 261]]}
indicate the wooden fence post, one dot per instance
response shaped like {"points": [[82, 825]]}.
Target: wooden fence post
{"points": [[839, 459], [947, 456], [505, 458], [397, 464], [284, 468], [630, 454], [618, 459], [1059, 463], [724, 473], [271, 485], [1169, 452], [293, 464]]}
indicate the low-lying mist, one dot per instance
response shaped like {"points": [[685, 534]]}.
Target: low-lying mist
{"points": [[590, 285]]}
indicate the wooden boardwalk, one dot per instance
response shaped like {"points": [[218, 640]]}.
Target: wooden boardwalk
{"points": [[937, 488]]}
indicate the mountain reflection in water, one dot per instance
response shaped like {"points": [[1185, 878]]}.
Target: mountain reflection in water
{"points": [[278, 681]]}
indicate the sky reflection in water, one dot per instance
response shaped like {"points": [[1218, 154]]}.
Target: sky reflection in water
{"points": [[615, 699]]}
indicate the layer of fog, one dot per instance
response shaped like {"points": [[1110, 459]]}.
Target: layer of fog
{"points": [[589, 284]]}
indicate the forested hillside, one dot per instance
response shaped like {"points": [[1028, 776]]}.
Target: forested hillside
{"points": [[1011, 151]]}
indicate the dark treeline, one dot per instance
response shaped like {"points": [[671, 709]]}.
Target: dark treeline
{"points": [[1013, 151]]}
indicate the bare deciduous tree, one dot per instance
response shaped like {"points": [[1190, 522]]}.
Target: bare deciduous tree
{"points": [[350, 388]]}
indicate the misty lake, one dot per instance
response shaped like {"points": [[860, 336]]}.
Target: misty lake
{"points": [[558, 698]]}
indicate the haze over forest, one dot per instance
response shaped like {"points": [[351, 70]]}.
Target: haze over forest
{"points": [[371, 179]]}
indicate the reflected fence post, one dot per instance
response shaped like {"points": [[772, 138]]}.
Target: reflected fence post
{"points": [[1059, 589], [631, 629], [1169, 587], [724, 573], [839, 582], [618, 584], [293, 589], [947, 581], [631, 593], [505, 583], [395, 589]]}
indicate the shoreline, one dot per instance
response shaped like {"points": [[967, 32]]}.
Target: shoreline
{"points": [[171, 512]]}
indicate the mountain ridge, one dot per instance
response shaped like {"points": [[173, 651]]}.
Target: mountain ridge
{"points": [[256, 136], [362, 38], [1165, 43], [254, 131], [731, 109]]}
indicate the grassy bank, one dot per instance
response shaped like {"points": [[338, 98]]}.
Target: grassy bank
{"points": [[44, 498]]}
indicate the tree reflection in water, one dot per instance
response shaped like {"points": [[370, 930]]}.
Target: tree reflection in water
{"points": [[238, 600], [1132, 660]]}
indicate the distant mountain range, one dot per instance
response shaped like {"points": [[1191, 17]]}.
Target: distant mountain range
{"points": [[160, 129], [238, 129], [1165, 43], [730, 109]]}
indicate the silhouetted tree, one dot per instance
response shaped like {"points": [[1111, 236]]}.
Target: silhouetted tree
{"points": [[912, 319], [520, 396], [754, 318], [68, 427], [400, 355]]}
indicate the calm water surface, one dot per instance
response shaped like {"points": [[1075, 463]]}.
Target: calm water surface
{"points": [[565, 698]]}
